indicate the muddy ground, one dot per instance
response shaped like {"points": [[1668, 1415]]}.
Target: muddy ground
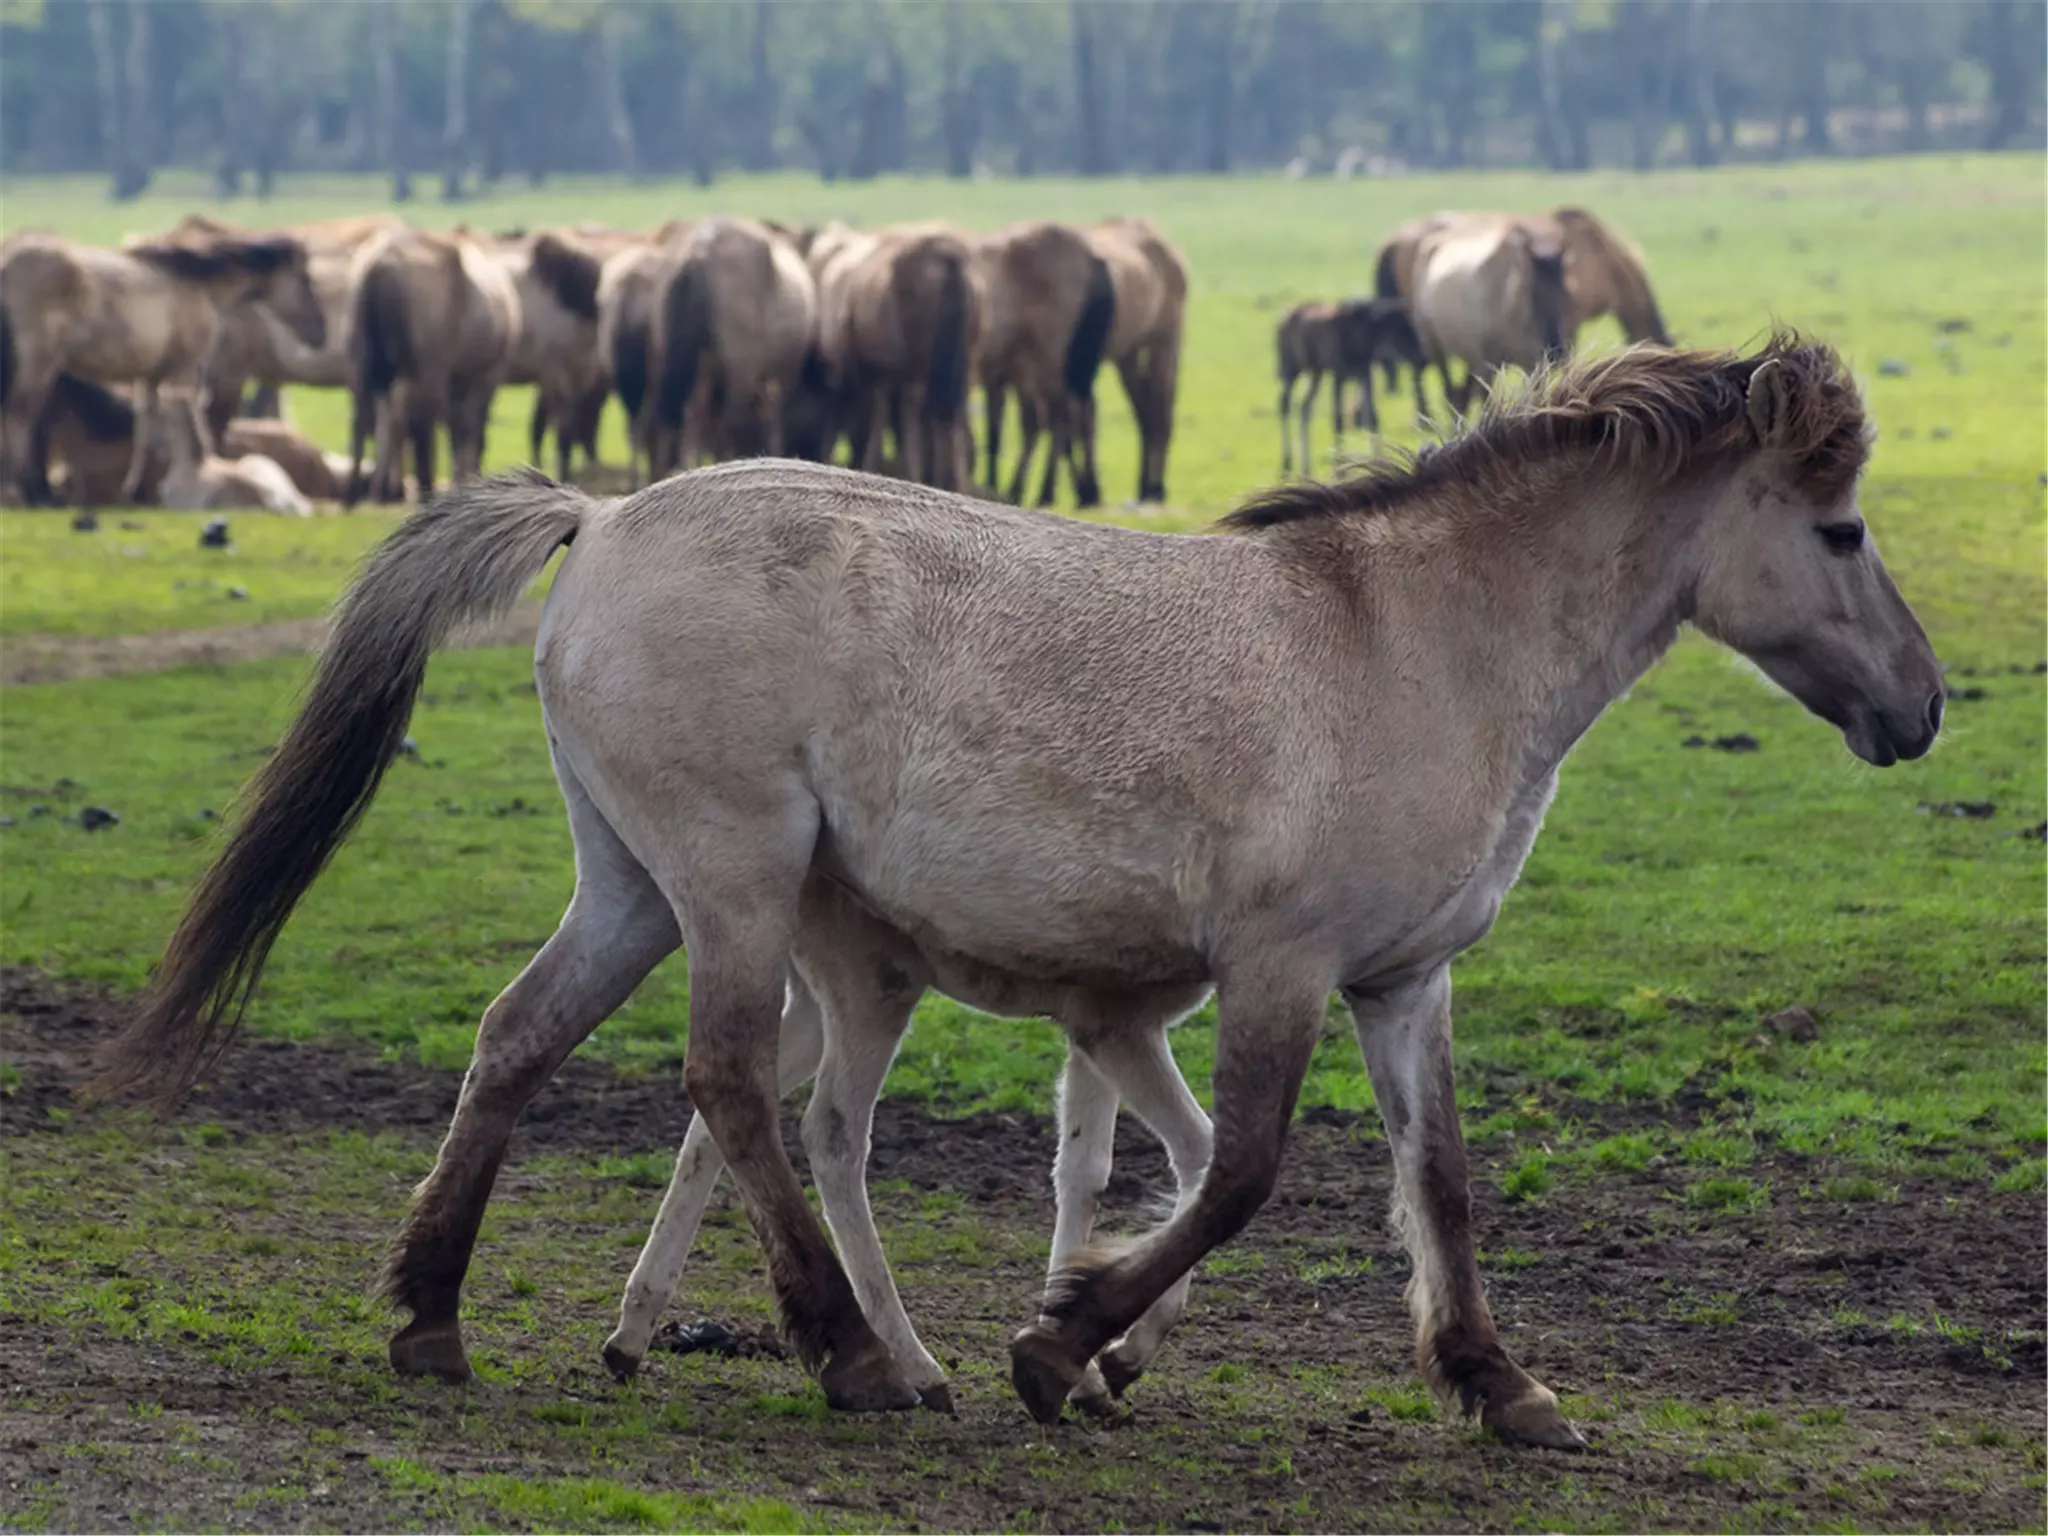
{"points": [[1678, 1334]]}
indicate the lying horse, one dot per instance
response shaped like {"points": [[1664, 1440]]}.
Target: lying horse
{"points": [[900, 736]]}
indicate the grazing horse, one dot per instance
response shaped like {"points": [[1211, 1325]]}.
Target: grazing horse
{"points": [[250, 343], [900, 737], [735, 311], [436, 320], [142, 314], [1150, 279], [1492, 296], [1346, 341], [1051, 307], [899, 321]]}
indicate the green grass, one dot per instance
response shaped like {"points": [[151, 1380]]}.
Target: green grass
{"points": [[1675, 897]]}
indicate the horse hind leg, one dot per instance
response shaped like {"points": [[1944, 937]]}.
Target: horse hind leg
{"points": [[1406, 1038], [617, 928], [659, 1269]]}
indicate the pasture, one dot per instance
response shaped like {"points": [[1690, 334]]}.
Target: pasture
{"points": [[1787, 1269]]}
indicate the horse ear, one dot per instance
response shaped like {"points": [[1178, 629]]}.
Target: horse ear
{"points": [[1770, 400]]}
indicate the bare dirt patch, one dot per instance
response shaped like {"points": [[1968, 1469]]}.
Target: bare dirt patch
{"points": [[1907, 1326], [71, 658]]}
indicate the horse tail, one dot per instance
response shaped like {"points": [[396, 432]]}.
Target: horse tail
{"points": [[468, 554], [687, 307], [946, 386], [1091, 333], [629, 366], [1386, 272], [381, 338], [7, 362]]}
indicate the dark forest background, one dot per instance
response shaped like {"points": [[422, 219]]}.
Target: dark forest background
{"points": [[458, 93]]}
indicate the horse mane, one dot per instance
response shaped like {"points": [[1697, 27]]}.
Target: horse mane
{"points": [[1651, 413], [569, 272], [104, 415], [257, 256]]}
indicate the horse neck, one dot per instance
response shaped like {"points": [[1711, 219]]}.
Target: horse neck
{"points": [[1563, 596]]}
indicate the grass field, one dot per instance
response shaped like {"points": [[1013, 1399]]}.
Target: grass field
{"points": [[1609, 1038]]}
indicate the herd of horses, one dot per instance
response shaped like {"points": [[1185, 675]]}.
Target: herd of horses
{"points": [[721, 338]]}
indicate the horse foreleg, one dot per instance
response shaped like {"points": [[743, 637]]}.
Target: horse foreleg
{"points": [[1029, 426], [1406, 1037], [995, 402], [617, 928], [659, 1269], [537, 434], [1267, 1026], [1059, 445], [1286, 423], [145, 433], [1308, 406]]}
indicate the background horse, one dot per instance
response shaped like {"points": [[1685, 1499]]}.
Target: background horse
{"points": [[1314, 758], [1346, 341], [1490, 294], [1150, 279]]}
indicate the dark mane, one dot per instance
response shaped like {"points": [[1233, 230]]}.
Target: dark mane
{"points": [[258, 257], [1650, 412], [569, 272], [104, 415]]}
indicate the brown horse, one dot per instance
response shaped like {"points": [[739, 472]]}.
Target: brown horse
{"points": [[557, 273], [899, 321], [436, 319], [735, 312], [197, 479], [813, 719], [1151, 283], [1051, 307], [251, 345], [1491, 294], [626, 286], [1346, 341], [143, 314]]}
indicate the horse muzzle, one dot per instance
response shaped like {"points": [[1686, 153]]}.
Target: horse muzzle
{"points": [[1882, 738]]}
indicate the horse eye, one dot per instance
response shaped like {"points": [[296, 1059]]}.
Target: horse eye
{"points": [[1843, 538]]}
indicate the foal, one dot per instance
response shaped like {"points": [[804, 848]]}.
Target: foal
{"points": [[803, 714], [1346, 340]]}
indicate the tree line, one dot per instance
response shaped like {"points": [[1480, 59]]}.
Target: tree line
{"points": [[461, 93]]}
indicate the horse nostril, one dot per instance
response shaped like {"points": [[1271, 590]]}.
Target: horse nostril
{"points": [[1934, 713]]}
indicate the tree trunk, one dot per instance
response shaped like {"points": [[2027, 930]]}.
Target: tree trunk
{"points": [[1813, 77], [956, 110], [235, 107], [761, 139], [106, 60], [392, 139], [455, 125], [137, 135], [1222, 93], [2005, 55], [1091, 146], [1645, 64], [1699, 71], [1553, 51], [611, 88], [271, 125]]}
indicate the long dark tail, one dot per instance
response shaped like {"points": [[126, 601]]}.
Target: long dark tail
{"points": [[946, 386], [1091, 333], [1386, 276], [629, 367], [688, 332], [381, 340], [468, 554]]}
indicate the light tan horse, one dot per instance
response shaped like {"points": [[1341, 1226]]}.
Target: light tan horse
{"points": [[1151, 283], [1491, 295], [199, 480], [143, 314], [806, 716], [251, 344], [557, 273], [735, 312], [1051, 307], [435, 323], [899, 323]]}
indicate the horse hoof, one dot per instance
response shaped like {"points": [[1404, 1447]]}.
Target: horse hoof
{"points": [[1533, 1419], [864, 1379], [938, 1397], [623, 1364], [1042, 1373], [431, 1349], [1117, 1373]]}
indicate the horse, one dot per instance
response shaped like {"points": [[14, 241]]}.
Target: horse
{"points": [[1051, 307], [436, 319], [249, 342], [1306, 754], [735, 313], [1150, 279], [197, 480], [900, 314], [144, 314], [625, 329], [1346, 341], [1491, 295]]}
